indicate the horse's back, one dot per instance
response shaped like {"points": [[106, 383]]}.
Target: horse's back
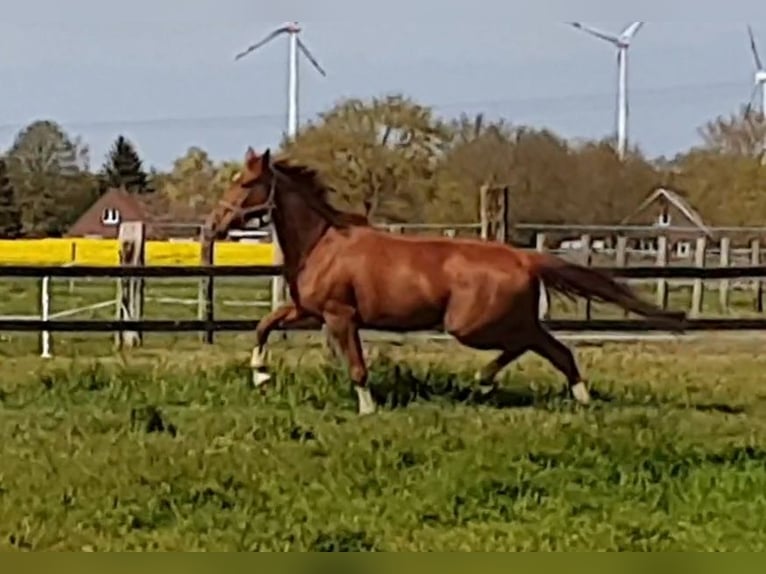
{"points": [[406, 281], [431, 255], [393, 283]]}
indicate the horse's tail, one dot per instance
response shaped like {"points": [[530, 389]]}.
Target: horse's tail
{"points": [[572, 279]]}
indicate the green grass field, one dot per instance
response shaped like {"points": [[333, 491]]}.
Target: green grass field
{"points": [[22, 297], [170, 448]]}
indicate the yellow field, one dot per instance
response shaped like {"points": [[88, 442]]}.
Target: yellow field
{"points": [[105, 252]]}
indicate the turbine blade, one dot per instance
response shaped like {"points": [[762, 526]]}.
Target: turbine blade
{"points": [[754, 48], [261, 43], [310, 57], [597, 33], [630, 31]]}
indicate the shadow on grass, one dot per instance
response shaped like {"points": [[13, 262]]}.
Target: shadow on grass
{"points": [[717, 408], [656, 402], [397, 386], [394, 385]]}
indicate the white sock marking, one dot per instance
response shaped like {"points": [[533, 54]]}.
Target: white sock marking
{"points": [[487, 388], [260, 378], [580, 393], [258, 364], [258, 358], [366, 404]]}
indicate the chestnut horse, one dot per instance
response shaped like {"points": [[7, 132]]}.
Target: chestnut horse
{"points": [[347, 275]]}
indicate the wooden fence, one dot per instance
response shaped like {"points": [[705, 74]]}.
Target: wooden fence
{"points": [[210, 325], [605, 245]]}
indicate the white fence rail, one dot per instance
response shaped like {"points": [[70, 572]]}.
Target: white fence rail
{"points": [[45, 307]]}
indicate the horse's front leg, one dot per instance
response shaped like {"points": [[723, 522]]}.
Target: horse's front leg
{"points": [[283, 317], [343, 329]]}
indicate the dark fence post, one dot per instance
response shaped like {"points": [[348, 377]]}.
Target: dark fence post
{"points": [[130, 302], [206, 292]]}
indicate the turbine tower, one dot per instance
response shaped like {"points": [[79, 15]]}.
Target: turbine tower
{"points": [[295, 44], [759, 77], [623, 43]]}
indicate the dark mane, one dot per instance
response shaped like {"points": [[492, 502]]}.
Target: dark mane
{"points": [[309, 184]]}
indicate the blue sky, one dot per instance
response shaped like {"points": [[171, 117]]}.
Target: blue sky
{"points": [[166, 78]]}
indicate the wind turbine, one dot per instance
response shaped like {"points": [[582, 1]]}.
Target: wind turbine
{"points": [[623, 43], [293, 30], [759, 77]]}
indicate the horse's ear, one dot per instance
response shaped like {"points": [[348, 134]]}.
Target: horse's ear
{"points": [[249, 154], [266, 158]]}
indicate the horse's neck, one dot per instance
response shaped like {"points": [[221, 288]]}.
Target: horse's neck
{"points": [[298, 228]]}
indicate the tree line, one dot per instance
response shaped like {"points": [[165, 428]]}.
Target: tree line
{"points": [[396, 161]]}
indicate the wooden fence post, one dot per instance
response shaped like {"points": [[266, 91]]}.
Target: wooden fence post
{"points": [[130, 302], [484, 211], [206, 291], [72, 261], [544, 304], [45, 315], [540, 242], [504, 223], [662, 261], [621, 251], [621, 257], [723, 284], [755, 261], [494, 210], [698, 287], [585, 259]]}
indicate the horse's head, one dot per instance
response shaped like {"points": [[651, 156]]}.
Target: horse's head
{"points": [[251, 194]]}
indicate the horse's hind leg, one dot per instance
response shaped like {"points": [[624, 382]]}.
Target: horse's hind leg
{"points": [[485, 377], [550, 348]]}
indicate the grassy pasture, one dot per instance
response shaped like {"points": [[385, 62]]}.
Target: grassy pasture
{"points": [[170, 448], [22, 297]]}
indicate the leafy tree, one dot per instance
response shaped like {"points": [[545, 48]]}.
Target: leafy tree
{"points": [[537, 166], [605, 189], [551, 180], [380, 156], [10, 213], [124, 168], [49, 171], [195, 181], [725, 177], [740, 134], [393, 159], [727, 190], [478, 154], [225, 173]]}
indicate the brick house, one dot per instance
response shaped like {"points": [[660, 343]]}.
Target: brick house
{"points": [[163, 220]]}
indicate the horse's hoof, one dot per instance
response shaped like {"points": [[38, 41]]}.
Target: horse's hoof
{"points": [[260, 378], [367, 410], [580, 393], [366, 402], [487, 389]]}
